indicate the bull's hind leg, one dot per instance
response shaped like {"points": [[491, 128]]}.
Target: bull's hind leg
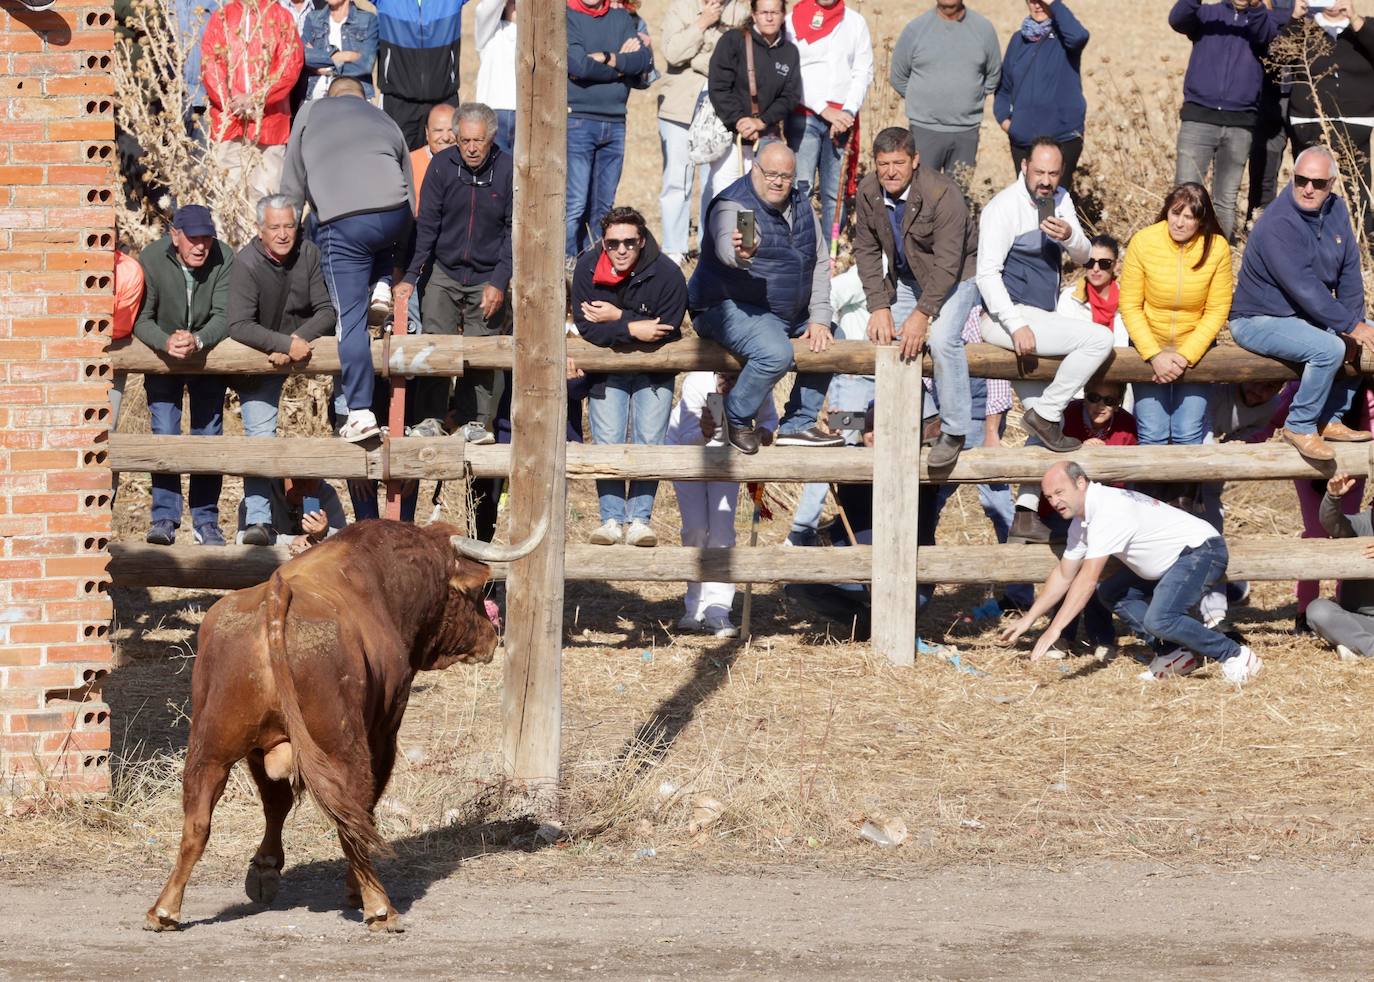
{"points": [[264, 871], [202, 783], [377, 909]]}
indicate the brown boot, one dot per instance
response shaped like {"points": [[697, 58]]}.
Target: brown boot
{"points": [[1027, 528], [1310, 445], [1338, 432], [1051, 433], [930, 431]]}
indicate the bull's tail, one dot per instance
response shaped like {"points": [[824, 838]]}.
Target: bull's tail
{"points": [[311, 766]]}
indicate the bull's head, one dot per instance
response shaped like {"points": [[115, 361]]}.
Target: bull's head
{"points": [[467, 634]]}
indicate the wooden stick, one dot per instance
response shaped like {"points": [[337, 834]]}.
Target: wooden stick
{"points": [[844, 519], [897, 445]]}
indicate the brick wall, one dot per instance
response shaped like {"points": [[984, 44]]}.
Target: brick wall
{"points": [[56, 236]]}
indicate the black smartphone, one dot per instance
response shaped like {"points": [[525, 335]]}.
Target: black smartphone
{"points": [[1045, 207], [841, 421], [745, 224]]}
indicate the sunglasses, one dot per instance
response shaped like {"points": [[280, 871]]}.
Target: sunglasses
{"points": [[1103, 264], [1320, 183], [1096, 398], [615, 245]]}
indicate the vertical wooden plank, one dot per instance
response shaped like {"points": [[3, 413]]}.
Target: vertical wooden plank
{"points": [[896, 467], [532, 695]]}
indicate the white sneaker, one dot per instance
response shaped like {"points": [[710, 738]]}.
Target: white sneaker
{"points": [[1345, 654], [639, 534], [1241, 668], [361, 425], [720, 626], [1180, 661], [690, 624], [477, 434], [379, 308], [609, 534]]}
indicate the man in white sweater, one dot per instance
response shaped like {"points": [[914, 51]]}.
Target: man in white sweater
{"points": [[1021, 235], [836, 55]]}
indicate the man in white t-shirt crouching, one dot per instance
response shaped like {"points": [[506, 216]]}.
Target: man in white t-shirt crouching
{"points": [[1171, 559]]}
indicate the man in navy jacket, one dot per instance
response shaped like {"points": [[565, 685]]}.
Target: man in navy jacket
{"points": [[1221, 93], [1300, 295], [464, 229]]}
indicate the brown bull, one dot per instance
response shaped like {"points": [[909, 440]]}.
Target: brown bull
{"points": [[307, 677]]}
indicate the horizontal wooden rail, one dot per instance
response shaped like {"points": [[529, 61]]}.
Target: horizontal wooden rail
{"points": [[234, 567], [431, 354], [446, 459]]}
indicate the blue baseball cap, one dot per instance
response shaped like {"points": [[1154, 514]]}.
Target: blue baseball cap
{"points": [[194, 220]]}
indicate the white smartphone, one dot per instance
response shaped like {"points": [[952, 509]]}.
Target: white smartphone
{"points": [[715, 405]]}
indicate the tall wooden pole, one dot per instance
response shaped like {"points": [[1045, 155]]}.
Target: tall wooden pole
{"points": [[532, 695], [896, 457]]}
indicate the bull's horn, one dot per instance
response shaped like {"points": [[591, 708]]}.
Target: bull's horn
{"points": [[490, 552]]}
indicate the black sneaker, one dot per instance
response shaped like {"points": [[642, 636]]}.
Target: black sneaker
{"points": [[945, 451], [259, 535], [812, 436], [1300, 625], [1051, 435], [745, 439], [209, 535], [1027, 528], [163, 533]]}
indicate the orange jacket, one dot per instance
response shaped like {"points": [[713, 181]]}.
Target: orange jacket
{"points": [[251, 47], [128, 293]]}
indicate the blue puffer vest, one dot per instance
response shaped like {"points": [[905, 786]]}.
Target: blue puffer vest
{"points": [[779, 277]]}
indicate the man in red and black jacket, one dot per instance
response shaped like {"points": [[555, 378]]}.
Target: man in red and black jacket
{"points": [[464, 229]]}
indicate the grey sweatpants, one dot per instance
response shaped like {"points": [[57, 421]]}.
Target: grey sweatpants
{"points": [[1337, 625], [449, 307]]}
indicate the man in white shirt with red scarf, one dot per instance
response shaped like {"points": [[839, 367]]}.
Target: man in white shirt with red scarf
{"points": [[1169, 559], [836, 54]]}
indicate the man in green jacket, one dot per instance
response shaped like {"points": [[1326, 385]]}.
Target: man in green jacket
{"points": [[186, 279]]}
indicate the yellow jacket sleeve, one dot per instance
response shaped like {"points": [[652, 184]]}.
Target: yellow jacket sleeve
{"points": [[1131, 302], [1216, 307]]}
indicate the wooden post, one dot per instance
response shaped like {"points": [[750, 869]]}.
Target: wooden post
{"points": [[896, 469], [532, 694]]}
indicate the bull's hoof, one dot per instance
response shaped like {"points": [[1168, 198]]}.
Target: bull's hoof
{"points": [[385, 920], [263, 880], [159, 920]]}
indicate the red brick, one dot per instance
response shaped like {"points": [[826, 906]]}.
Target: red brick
{"points": [[89, 566], [88, 348], [29, 525], [97, 175], [79, 610], [81, 439], [91, 41], [45, 545], [47, 237], [86, 479], [63, 282], [20, 350], [45, 677], [22, 261], [75, 740], [44, 634], [46, 722], [16, 656], [23, 569], [80, 393], [97, 523], [91, 84], [48, 153], [94, 651], [43, 460], [94, 305], [21, 483], [21, 439], [21, 175], [44, 371], [20, 613], [65, 196], [49, 589], [45, 327], [94, 129], [21, 394], [78, 260], [20, 40]]}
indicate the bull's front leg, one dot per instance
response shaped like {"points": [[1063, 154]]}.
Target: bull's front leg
{"points": [[202, 783]]}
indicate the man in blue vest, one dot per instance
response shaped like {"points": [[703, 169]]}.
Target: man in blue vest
{"points": [[754, 297]]}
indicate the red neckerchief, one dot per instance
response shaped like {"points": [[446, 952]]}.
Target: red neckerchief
{"points": [[811, 21], [1103, 308], [580, 7], [605, 274]]}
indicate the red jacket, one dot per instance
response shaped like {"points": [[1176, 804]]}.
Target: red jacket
{"points": [[251, 47]]}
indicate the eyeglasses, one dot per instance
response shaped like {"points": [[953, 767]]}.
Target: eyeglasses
{"points": [[1320, 183], [1097, 398], [776, 176], [1102, 264], [615, 245]]}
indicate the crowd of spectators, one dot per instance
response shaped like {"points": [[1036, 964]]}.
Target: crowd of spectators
{"points": [[379, 193]]}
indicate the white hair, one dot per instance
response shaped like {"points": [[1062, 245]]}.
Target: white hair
{"points": [[276, 201], [1317, 150], [476, 112]]}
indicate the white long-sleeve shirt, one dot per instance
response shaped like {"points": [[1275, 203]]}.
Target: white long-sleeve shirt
{"points": [[1018, 263], [684, 426], [837, 68]]}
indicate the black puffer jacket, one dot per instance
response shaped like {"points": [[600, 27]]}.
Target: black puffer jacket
{"points": [[1344, 74]]}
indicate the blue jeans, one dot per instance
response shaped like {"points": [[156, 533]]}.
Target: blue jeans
{"points": [[596, 153], [505, 130], [1322, 394], [258, 400], [764, 341], [638, 406], [367, 505], [207, 419], [1174, 412], [675, 196], [997, 506], [946, 344], [809, 138], [354, 252], [1159, 610]]}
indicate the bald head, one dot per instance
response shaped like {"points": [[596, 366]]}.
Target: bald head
{"points": [[439, 133], [1065, 487], [775, 169]]}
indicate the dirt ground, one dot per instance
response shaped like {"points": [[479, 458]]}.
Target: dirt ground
{"points": [[1119, 920]]}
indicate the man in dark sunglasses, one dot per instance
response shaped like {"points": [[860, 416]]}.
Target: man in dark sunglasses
{"points": [[1300, 296]]}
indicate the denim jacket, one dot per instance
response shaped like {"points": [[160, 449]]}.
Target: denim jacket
{"points": [[359, 34]]}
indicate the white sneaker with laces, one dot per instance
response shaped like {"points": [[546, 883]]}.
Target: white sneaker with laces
{"points": [[609, 534], [379, 307], [1242, 667], [1180, 661], [477, 434], [360, 425], [720, 626], [639, 534], [690, 624]]}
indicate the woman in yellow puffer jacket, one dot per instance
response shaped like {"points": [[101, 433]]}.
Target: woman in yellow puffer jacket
{"points": [[1175, 296]]}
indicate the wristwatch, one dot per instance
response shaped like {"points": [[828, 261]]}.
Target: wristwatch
{"points": [[200, 345]]}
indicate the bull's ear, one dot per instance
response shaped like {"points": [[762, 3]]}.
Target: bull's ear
{"points": [[469, 576]]}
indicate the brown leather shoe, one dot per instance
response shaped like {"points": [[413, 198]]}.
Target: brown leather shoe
{"points": [[1338, 432], [1027, 528], [930, 431], [1310, 445]]}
